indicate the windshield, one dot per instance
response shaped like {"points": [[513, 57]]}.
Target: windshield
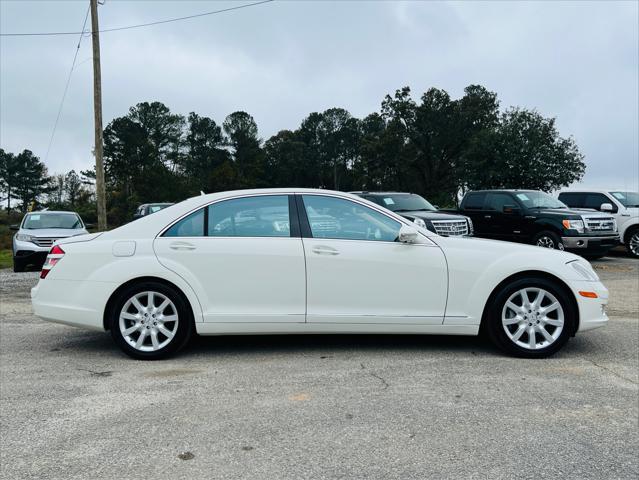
{"points": [[539, 200], [627, 199], [36, 221], [403, 203]]}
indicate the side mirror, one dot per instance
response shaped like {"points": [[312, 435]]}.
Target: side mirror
{"points": [[436, 207], [408, 234], [606, 207], [510, 209], [14, 227], [136, 216]]}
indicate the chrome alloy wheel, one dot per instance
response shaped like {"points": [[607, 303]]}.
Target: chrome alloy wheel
{"points": [[532, 318], [148, 321], [634, 244], [547, 242]]}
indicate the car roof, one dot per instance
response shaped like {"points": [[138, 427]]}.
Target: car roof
{"points": [[504, 190], [365, 192], [48, 212]]}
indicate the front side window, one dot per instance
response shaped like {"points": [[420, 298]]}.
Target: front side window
{"points": [[497, 201], [336, 218], [594, 201], [260, 216], [190, 226]]}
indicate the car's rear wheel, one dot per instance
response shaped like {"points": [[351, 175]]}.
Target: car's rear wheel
{"points": [[531, 317], [150, 321], [548, 239]]}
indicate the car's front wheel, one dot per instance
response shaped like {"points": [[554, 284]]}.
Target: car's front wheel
{"points": [[548, 239], [150, 321], [632, 242], [531, 317]]}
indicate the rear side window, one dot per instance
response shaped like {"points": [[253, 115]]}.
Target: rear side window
{"points": [[574, 200], [261, 216], [190, 226], [474, 201]]}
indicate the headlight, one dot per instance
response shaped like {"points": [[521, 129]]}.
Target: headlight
{"points": [[574, 225], [470, 225], [21, 237], [419, 222], [585, 270], [614, 225]]}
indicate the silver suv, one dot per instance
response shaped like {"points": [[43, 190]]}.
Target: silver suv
{"points": [[37, 232]]}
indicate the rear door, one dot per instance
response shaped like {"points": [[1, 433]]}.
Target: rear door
{"points": [[358, 273], [499, 224], [243, 257]]}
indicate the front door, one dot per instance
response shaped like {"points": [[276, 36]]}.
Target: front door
{"points": [[241, 258], [357, 271]]}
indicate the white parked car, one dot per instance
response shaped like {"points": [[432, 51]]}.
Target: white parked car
{"points": [[624, 206], [310, 261]]}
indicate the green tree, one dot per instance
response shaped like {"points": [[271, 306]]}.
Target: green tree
{"points": [[248, 157], [32, 180], [524, 151], [9, 175], [205, 156]]}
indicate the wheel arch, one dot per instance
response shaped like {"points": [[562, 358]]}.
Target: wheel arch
{"points": [[531, 273], [629, 230], [112, 299]]}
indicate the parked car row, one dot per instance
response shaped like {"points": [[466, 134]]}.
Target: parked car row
{"points": [[587, 222]]}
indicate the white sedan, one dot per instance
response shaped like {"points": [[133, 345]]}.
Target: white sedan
{"points": [[310, 261]]}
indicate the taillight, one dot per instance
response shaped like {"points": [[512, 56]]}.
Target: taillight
{"points": [[55, 254]]}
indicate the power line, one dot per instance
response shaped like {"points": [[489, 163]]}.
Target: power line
{"points": [[40, 34], [66, 87]]}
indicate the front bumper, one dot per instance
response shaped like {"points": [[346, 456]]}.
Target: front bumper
{"points": [[592, 311], [598, 243]]}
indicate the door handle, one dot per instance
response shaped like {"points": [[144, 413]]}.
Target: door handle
{"points": [[182, 246], [488, 216], [322, 250]]}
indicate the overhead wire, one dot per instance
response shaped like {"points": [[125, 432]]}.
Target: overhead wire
{"points": [[140, 25], [66, 87]]}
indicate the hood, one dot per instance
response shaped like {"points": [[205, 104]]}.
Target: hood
{"points": [[53, 232], [431, 215], [561, 212]]}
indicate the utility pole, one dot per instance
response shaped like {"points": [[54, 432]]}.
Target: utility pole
{"points": [[100, 191]]}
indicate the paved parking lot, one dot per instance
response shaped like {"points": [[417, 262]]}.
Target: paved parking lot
{"points": [[374, 407]]}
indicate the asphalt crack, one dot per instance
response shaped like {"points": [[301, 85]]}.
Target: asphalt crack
{"points": [[612, 372], [385, 384]]}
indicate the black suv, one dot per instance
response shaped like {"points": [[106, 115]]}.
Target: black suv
{"points": [[535, 217], [419, 211]]}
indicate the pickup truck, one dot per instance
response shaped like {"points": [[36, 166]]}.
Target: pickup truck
{"points": [[534, 217], [623, 206]]}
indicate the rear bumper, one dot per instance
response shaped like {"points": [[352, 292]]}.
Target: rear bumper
{"points": [[595, 244], [75, 303]]}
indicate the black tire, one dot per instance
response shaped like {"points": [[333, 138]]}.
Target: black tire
{"points": [[496, 331], [632, 237], [184, 330], [548, 239], [18, 266]]}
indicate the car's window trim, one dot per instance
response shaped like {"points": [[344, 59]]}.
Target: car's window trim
{"points": [[292, 220]]}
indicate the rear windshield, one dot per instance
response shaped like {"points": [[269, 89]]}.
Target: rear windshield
{"points": [[35, 221]]}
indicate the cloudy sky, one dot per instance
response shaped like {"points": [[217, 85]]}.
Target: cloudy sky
{"points": [[576, 61]]}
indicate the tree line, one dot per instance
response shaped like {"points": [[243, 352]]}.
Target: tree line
{"points": [[436, 146]]}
